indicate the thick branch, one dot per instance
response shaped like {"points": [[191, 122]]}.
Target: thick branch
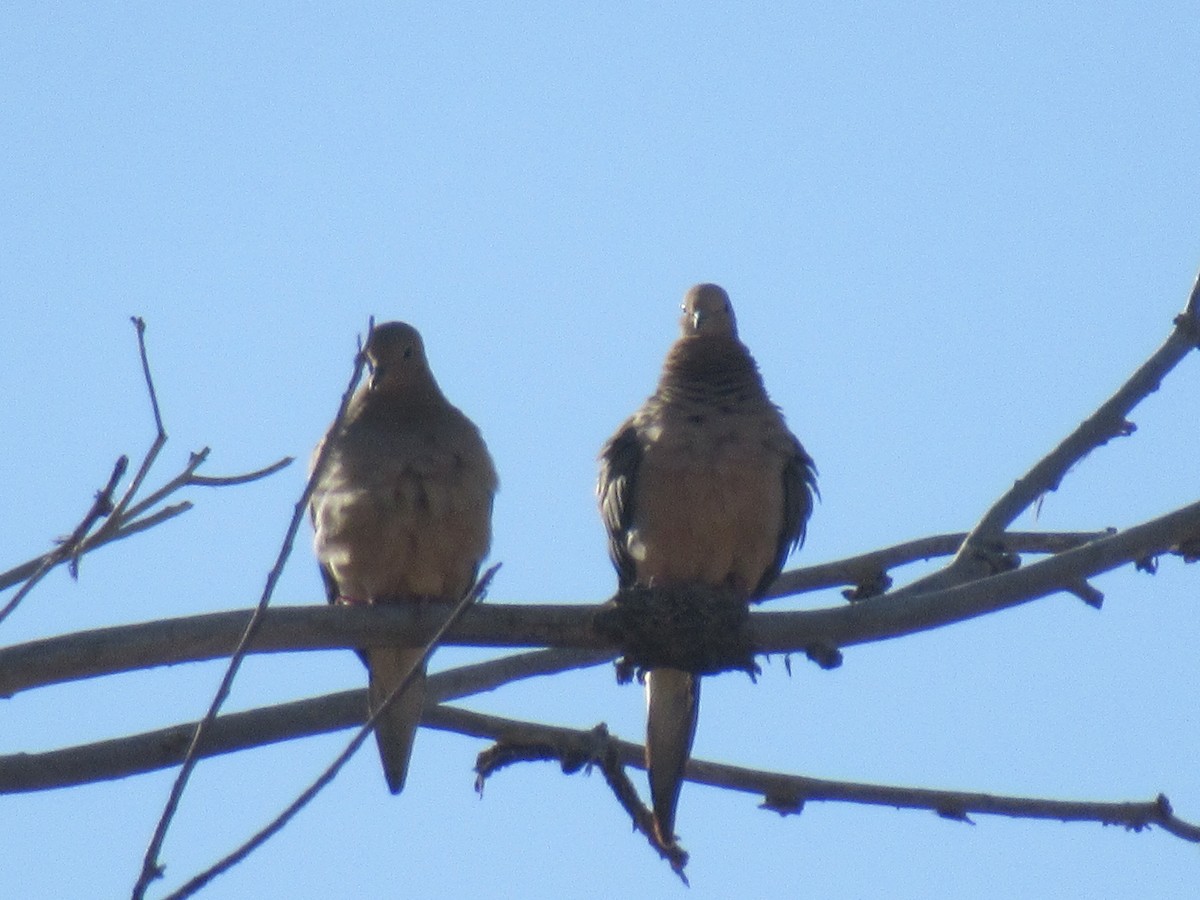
{"points": [[125, 648], [165, 747]]}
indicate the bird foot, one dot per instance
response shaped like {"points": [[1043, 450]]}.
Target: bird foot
{"points": [[698, 628]]}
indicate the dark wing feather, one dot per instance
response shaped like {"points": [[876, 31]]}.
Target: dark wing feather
{"points": [[331, 589], [799, 486], [619, 462]]}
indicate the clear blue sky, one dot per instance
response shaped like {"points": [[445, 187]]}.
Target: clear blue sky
{"points": [[948, 232]]}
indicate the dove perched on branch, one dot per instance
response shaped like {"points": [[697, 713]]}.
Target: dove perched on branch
{"points": [[703, 485], [402, 514]]}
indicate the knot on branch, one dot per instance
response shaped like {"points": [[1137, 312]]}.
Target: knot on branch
{"points": [[1188, 321], [995, 558], [1189, 548], [786, 803], [824, 654], [695, 627], [872, 586], [953, 813]]}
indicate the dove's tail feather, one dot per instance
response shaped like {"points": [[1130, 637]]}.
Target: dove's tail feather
{"points": [[672, 707], [396, 728]]}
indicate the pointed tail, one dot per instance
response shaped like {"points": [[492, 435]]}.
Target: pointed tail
{"points": [[672, 707], [397, 728]]}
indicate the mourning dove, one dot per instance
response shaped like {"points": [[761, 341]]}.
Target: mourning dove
{"points": [[402, 514], [703, 485]]}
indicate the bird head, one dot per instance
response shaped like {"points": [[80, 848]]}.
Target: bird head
{"points": [[707, 311], [396, 356]]}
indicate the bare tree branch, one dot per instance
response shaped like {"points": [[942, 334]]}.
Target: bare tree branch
{"points": [[787, 794], [976, 556], [228, 480], [890, 616], [150, 751], [121, 519], [872, 568], [160, 435], [20, 674], [781, 631], [124, 648], [210, 636], [573, 748]]}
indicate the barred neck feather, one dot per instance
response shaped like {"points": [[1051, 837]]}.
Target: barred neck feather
{"points": [[710, 370]]}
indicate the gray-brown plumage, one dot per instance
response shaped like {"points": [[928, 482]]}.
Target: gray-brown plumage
{"points": [[402, 514], [706, 485]]}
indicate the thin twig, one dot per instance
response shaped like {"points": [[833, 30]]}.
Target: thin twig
{"points": [[69, 548], [227, 480], [160, 436], [101, 508], [129, 528], [151, 868], [273, 827], [140, 325], [867, 567], [195, 460]]}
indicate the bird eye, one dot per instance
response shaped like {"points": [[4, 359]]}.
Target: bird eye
{"points": [[408, 351]]}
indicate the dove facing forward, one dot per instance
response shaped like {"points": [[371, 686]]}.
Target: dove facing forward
{"points": [[402, 514], [703, 485]]}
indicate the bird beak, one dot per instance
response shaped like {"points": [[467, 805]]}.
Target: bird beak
{"points": [[697, 318]]}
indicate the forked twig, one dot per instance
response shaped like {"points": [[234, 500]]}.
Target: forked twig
{"points": [[121, 518], [69, 548]]}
